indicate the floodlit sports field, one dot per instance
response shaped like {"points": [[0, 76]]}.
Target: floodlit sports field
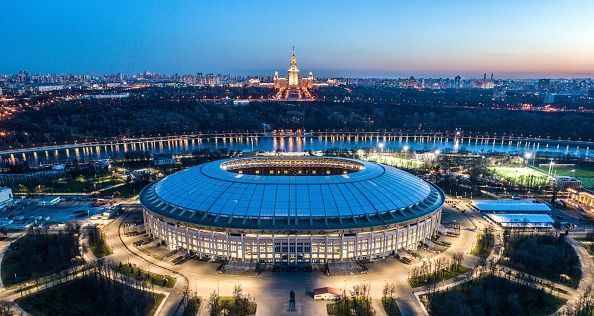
{"points": [[522, 175], [585, 174], [397, 162]]}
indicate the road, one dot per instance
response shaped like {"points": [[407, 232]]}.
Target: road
{"points": [[122, 253], [271, 289]]}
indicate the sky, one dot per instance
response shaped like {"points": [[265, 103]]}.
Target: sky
{"points": [[511, 38]]}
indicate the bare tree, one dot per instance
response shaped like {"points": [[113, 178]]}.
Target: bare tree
{"points": [[5, 308], [457, 257]]}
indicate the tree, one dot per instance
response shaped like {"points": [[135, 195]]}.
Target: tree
{"points": [[213, 303], [5, 308], [457, 257], [238, 298]]}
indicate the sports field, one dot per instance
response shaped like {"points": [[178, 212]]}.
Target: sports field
{"points": [[397, 162], [582, 173], [535, 176], [526, 176]]}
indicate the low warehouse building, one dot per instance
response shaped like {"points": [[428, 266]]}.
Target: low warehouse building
{"points": [[327, 294], [517, 214]]}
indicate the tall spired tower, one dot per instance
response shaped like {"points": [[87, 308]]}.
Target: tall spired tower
{"points": [[293, 71], [293, 86]]}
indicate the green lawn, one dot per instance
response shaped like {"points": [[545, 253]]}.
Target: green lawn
{"points": [[526, 176], [445, 275], [582, 173], [133, 272]]}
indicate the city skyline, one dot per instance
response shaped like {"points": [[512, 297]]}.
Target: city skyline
{"points": [[513, 40]]}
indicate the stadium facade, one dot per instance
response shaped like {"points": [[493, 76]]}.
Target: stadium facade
{"points": [[291, 209]]}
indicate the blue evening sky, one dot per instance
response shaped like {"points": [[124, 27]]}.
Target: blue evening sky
{"points": [[520, 38]]}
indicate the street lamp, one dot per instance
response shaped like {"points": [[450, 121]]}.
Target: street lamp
{"points": [[381, 147], [527, 157]]}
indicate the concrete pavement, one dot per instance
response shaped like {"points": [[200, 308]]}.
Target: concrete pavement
{"points": [[271, 289]]}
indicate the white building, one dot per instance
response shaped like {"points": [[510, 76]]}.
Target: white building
{"points": [[49, 200], [6, 198], [327, 294]]}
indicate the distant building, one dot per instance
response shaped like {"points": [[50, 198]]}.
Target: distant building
{"points": [[163, 160], [6, 198], [293, 86], [327, 294], [563, 183]]}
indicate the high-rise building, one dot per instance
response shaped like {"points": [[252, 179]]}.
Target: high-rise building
{"points": [[293, 86], [544, 85]]}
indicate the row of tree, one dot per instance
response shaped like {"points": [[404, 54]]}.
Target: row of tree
{"points": [[359, 303], [241, 304], [431, 271], [161, 112]]}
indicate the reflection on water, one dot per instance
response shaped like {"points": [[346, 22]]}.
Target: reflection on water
{"points": [[444, 144]]}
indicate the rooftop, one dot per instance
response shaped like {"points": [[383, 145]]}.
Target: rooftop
{"points": [[511, 206], [364, 194], [522, 220]]}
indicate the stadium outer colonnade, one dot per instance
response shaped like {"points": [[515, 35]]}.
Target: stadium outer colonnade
{"points": [[292, 248]]}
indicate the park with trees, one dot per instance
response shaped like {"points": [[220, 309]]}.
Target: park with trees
{"points": [[491, 294], [547, 256], [40, 253], [98, 290]]}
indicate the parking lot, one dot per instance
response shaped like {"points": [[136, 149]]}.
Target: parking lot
{"points": [[37, 211]]}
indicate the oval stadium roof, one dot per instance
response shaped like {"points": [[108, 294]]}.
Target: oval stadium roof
{"points": [[209, 195]]}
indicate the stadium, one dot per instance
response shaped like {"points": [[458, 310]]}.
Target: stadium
{"points": [[291, 210]]}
